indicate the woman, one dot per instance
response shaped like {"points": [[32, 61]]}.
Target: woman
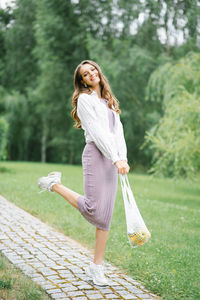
{"points": [[96, 111]]}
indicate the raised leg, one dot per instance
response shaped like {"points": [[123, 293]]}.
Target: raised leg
{"points": [[66, 193]]}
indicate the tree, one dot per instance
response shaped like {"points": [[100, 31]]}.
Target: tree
{"points": [[41, 43], [20, 64], [60, 46], [6, 17], [158, 25], [20, 130], [175, 140]]}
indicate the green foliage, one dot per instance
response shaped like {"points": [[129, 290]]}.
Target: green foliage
{"points": [[3, 138], [4, 20], [41, 43], [57, 49], [175, 140], [20, 64], [19, 119]]}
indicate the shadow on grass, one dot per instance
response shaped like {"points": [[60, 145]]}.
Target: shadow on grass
{"points": [[6, 170]]}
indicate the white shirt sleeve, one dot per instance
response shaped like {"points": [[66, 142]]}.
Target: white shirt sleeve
{"points": [[122, 149], [103, 139]]}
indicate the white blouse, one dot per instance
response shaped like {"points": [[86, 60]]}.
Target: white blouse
{"points": [[93, 115]]}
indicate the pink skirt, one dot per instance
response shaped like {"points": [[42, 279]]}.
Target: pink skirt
{"points": [[100, 187]]}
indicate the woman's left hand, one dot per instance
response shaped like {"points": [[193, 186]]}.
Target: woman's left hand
{"points": [[122, 166]]}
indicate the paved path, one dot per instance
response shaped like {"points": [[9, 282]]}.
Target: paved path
{"points": [[56, 262]]}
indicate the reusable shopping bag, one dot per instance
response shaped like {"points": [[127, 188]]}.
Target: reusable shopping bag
{"points": [[137, 232]]}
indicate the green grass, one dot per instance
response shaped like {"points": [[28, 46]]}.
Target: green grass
{"points": [[16, 286], [167, 265]]}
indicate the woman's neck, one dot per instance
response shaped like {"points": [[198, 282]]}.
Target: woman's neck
{"points": [[97, 89]]}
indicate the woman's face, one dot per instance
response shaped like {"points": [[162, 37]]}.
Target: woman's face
{"points": [[90, 75]]}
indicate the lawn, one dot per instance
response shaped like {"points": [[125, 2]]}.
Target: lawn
{"points": [[167, 265], [14, 285]]}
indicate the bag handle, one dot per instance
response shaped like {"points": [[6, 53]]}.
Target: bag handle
{"points": [[129, 201], [126, 189]]}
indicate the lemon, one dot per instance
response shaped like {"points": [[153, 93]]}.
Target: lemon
{"points": [[139, 238]]}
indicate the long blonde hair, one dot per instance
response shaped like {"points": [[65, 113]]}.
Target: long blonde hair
{"points": [[79, 87]]}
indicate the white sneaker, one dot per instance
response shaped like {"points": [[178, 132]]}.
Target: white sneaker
{"points": [[96, 273], [55, 174], [46, 183]]}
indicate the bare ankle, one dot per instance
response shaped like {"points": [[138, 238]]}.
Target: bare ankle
{"points": [[55, 187], [97, 261]]}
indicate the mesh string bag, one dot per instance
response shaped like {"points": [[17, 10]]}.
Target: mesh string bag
{"points": [[137, 232]]}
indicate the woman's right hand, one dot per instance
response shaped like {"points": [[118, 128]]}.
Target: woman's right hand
{"points": [[122, 166]]}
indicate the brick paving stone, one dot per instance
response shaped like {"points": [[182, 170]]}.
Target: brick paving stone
{"points": [[124, 293], [119, 288], [50, 263], [105, 290], [115, 284], [48, 286], [36, 279], [37, 265], [69, 288], [75, 294], [7, 251], [27, 269], [83, 277], [130, 280], [95, 296], [53, 278], [46, 271], [56, 267], [129, 296], [85, 287], [78, 282], [144, 296], [68, 283], [81, 298], [56, 262], [37, 276], [91, 292], [135, 290], [122, 281], [152, 295], [76, 270], [58, 296], [59, 281], [112, 296], [68, 278], [53, 291], [65, 272]]}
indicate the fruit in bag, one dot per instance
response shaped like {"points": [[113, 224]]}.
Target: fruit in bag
{"points": [[139, 238], [137, 232]]}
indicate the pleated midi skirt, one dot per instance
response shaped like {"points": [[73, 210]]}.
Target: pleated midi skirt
{"points": [[100, 187]]}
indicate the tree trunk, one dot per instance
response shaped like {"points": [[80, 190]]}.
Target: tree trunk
{"points": [[43, 142], [71, 156]]}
